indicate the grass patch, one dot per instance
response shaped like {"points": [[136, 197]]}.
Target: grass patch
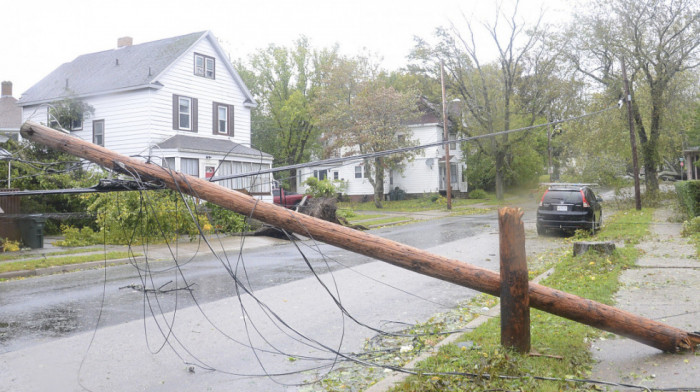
{"points": [[364, 217], [17, 255], [34, 264], [426, 203], [387, 220], [627, 225]]}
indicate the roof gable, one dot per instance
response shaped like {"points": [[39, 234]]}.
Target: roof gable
{"points": [[121, 69]]}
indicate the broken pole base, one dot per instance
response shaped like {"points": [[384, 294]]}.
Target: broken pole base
{"points": [[515, 299], [602, 247]]}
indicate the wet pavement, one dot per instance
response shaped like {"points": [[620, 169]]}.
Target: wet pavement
{"points": [[169, 343], [664, 287]]}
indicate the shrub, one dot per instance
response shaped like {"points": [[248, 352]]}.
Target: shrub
{"points": [[478, 194], [153, 216], [691, 227], [8, 245], [79, 237], [226, 221], [323, 188], [689, 197]]}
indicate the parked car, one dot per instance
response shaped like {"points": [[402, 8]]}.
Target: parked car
{"points": [[568, 207], [287, 199]]}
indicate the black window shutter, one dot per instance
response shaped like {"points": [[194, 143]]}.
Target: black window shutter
{"points": [[230, 120], [195, 112], [215, 118], [176, 109]]}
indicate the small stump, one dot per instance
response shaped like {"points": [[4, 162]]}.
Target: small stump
{"points": [[607, 247]]}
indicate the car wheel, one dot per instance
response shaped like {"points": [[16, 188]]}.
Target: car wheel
{"points": [[541, 230]]}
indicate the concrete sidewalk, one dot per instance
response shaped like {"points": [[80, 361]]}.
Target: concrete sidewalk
{"points": [[665, 287]]}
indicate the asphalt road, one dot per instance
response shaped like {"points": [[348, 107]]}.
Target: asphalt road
{"points": [[48, 322], [46, 308]]}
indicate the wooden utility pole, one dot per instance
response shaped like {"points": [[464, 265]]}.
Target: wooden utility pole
{"points": [[446, 146], [608, 318], [633, 138], [515, 301]]}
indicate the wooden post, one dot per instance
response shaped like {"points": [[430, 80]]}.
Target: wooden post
{"points": [[650, 332], [515, 300]]}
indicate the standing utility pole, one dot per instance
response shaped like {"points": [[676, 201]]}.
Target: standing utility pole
{"points": [[633, 139], [446, 146]]}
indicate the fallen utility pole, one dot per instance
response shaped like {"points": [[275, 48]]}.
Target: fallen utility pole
{"points": [[608, 318]]}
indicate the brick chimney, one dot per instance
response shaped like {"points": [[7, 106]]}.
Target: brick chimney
{"points": [[6, 89], [124, 41]]}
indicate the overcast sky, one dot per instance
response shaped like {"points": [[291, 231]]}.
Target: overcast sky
{"points": [[39, 35]]}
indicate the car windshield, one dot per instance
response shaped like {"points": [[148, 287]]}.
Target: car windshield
{"points": [[567, 197]]}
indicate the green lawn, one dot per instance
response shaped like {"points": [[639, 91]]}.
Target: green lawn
{"points": [[19, 255], [34, 264]]}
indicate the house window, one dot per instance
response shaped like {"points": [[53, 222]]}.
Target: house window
{"points": [[189, 166], [169, 163], [335, 175], [223, 119], [204, 66], [77, 124], [321, 174], [184, 113], [358, 171], [98, 132]]}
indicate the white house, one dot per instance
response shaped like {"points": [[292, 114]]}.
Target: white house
{"points": [[176, 101], [424, 175]]}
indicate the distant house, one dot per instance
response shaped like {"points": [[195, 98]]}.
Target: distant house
{"points": [[424, 175], [10, 113], [177, 101]]}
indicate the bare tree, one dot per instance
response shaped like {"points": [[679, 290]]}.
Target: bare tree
{"points": [[491, 91], [658, 39]]}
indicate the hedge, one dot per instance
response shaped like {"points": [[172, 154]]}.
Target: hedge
{"points": [[689, 197]]}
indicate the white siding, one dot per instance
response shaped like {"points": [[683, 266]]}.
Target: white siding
{"points": [[135, 121], [180, 79]]}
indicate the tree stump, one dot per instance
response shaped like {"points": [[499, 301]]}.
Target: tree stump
{"points": [[606, 247]]}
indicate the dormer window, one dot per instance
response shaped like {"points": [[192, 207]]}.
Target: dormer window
{"points": [[204, 66]]}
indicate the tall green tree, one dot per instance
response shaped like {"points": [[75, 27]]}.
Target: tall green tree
{"points": [[285, 81], [658, 39]]}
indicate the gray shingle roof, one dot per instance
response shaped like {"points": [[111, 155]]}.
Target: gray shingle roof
{"points": [[205, 144], [111, 70]]}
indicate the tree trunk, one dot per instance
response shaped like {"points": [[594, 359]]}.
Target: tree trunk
{"points": [[293, 180], [378, 182], [500, 166]]}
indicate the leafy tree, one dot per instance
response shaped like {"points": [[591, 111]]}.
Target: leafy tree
{"points": [[285, 82], [38, 168], [69, 113], [659, 41], [371, 117]]}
